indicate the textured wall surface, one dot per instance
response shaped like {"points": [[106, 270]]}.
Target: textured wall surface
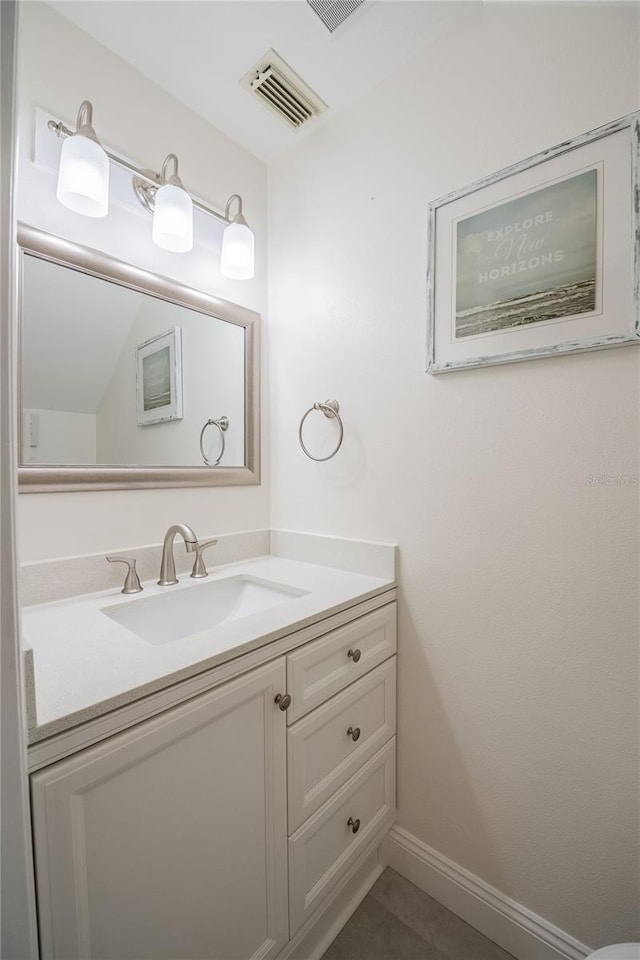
{"points": [[518, 651], [59, 66]]}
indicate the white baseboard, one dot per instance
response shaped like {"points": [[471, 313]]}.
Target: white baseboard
{"points": [[314, 938], [516, 929]]}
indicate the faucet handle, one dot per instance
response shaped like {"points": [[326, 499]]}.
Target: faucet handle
{"points": [[199, 569], [132, 581]]}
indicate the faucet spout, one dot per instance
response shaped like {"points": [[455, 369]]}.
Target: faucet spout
{"points": [[168, 566]]}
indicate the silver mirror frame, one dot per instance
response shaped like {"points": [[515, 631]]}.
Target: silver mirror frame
{"points": [[56, 479]]}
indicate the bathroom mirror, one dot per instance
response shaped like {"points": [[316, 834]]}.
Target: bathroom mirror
{"points": [[130, 379]]}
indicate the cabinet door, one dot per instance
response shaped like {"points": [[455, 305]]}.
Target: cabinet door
{"points": [[168, 842]]}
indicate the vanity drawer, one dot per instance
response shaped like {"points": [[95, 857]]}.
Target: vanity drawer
{"points": [[325, 666], [325, 847], [322, 754]]}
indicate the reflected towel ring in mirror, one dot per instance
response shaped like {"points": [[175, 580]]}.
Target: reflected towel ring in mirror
{"points": [[223, 425], [331, 410]]}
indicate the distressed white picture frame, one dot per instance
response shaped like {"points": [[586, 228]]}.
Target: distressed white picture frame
{"points": [[611, 150], [159, 378]]}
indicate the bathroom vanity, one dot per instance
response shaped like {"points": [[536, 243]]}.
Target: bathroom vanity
{"points": [[212, 761], [219, 809]]}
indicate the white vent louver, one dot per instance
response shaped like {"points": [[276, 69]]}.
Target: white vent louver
{"points": [[283, 91], [333, 13]]}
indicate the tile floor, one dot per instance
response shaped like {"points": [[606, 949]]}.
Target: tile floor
{"points": [[397, 921]]}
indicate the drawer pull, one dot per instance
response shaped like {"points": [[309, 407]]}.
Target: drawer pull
{"points": [[354, 824], [355, 654], [283, 701], [354, 733]]}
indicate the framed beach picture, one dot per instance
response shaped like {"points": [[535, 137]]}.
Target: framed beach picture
{"points": [[159, 378], [538, 259]]}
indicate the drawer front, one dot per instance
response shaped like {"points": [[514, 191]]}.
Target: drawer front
{"points": [[325, 666], [321, 752], [323, 849]]}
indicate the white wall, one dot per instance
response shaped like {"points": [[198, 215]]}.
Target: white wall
{"points": [[518, 691], [59, 66], [62, 437]]}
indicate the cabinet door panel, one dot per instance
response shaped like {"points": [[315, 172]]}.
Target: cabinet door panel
{"points": [[168, 842]]}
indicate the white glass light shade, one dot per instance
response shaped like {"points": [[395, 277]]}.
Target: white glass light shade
{"points": [[83, 179], [237, 257], [173, 219]]}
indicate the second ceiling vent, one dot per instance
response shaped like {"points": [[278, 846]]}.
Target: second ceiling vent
{"points": [[283, 91], [333, 13]]}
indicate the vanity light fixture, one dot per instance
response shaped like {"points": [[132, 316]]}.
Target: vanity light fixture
{"points": [[83, 178], [84, 191], [173, 211], [237, 257]]}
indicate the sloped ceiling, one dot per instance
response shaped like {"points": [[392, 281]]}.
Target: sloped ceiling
{"points": [[73, 330]]}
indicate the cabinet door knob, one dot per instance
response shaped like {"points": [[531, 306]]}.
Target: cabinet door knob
{"points": [[354, 655], [283, 701], [354, 733], [354, 824]]}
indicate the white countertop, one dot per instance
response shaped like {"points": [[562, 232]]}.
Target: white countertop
{"points": [[87, 664]]}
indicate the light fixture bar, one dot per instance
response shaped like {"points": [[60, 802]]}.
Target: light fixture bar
{"points": [[61, 130]]}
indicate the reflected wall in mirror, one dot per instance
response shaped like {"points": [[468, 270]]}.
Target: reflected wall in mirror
{"points": [[82, 337], [128, 378]]}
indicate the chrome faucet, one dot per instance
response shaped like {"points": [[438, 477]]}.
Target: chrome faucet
{"points": [[168, 567]]}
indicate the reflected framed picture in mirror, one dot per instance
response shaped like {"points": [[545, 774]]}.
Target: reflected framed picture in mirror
{"points": [[159, 378]]}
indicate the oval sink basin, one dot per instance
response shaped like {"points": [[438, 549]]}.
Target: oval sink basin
{"points": [[171, 616]]}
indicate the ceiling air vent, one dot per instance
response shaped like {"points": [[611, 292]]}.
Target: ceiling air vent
{"points": [[283, 91], [333, 13]]}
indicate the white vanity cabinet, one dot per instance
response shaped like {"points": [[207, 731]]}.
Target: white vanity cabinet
{"points": [[221, 828], [169, 841]]}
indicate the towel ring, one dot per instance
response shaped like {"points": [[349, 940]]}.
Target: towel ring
{"points": [[331, 409], [223, 425]]}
